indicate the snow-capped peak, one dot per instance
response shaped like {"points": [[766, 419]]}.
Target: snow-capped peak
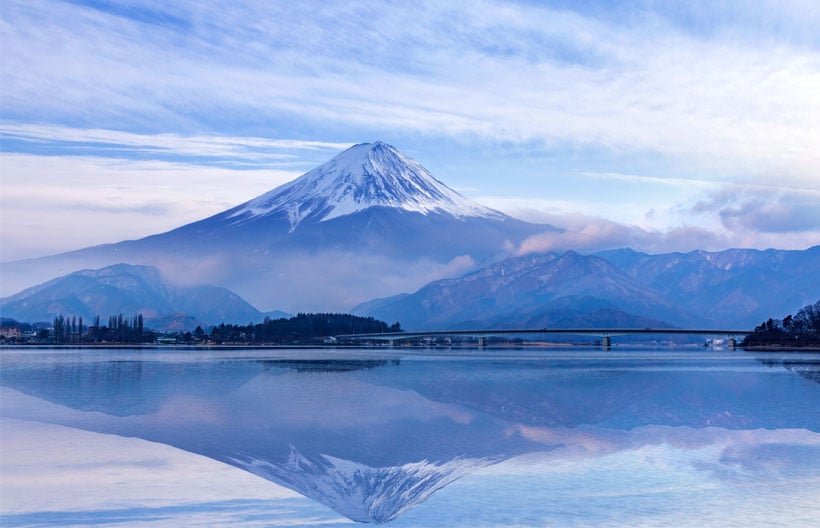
{"points": [[363, 176]]}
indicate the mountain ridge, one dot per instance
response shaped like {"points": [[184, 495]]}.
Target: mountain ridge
{"points": [[730, 288], [128, 289]]}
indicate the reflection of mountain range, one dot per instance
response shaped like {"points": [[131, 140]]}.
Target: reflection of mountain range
{"points": [[807, 367], [374, 442]]}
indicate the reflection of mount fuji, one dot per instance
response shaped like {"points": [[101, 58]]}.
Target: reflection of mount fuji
{"points": [[358, 491], [322, 428], [374, 442]]}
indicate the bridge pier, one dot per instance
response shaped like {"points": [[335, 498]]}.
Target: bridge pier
{"points": [[482, 342], [731, 343], [606, 342]]}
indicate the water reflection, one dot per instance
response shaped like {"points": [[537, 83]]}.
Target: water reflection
{"points": [[804, 365], [372, 437]]}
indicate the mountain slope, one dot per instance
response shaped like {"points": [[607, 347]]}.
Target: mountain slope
{"points": [[368, 223], [126, 289], [734, 288], [370, 199], [364, 176], [522, 291]]}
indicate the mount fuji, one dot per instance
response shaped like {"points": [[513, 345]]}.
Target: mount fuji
{"points": [[368, 223], [364, 176], [369, 200]]}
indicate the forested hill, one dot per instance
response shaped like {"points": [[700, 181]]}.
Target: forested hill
{"points": [[303, 328], [801, 329]]}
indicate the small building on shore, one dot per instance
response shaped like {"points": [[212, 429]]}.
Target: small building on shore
{"points": [[9, 333]]}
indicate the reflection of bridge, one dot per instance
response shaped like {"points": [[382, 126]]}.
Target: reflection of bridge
{"points": [[605, 334]]}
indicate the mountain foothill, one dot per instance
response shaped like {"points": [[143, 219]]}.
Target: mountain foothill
{"points": [[374, 233]]}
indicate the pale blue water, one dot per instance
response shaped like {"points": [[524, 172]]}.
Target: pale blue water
{"points": [[564, 437]]}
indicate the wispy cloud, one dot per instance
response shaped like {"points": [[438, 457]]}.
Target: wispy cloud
{"points": [[654, 180], [686, 99], [512, 72], [764, 210], [246, 149], [595, 234]]}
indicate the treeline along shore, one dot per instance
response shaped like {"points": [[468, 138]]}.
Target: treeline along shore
{"points": [[799, 330], [303, 328], [300, 329]]}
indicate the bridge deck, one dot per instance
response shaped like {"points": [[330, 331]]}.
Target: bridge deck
{"points": [[602, 332]]}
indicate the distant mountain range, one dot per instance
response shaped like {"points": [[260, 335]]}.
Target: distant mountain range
{"points": [[371, 222], [129, 290], [621, 288], [742, 286]]}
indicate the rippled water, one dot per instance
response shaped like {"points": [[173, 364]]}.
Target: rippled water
{"points": [[565, 437]]}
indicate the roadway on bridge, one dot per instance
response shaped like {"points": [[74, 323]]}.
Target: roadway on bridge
{"points": [[600, 332]]}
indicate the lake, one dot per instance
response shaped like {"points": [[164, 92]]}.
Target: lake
{"points": [[491, 438]]}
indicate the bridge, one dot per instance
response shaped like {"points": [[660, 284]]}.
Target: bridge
{"points": [[605, 334]]}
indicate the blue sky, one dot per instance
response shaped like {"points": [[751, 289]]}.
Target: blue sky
{"points": [[659, 125]]}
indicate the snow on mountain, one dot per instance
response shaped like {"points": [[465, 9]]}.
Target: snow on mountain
{"points": [[364, 176], [358, 491], [368, 223]]}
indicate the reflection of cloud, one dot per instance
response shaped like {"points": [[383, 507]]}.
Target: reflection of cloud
{"points": [[775, 460], [334, 402], [54, 468], [579, 442], [652, 485], [752, 455], [182, 411], [353, 430]]}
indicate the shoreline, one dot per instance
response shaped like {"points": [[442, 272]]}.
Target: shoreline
{"points": [[781, 348], [542, 345]]}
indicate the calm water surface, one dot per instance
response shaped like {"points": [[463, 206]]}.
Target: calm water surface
{"points": [[576, 437]]}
